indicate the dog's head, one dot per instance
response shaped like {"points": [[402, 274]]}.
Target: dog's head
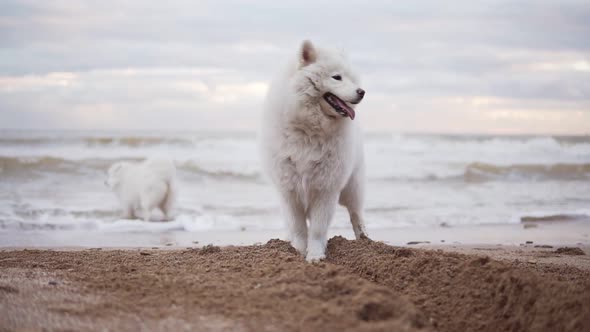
{"points": [[326, 75], [114, 175]]}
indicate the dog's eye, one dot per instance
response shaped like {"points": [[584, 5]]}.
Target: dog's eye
{"points": [[337, 77]]}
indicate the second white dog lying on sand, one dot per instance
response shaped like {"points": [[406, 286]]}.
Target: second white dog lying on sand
{"points": [[142, 187]]}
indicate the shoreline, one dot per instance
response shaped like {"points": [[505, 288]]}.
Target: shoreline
{"points": [[567, 233]]}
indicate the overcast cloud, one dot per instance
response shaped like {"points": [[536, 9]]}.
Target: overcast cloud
{"points": [[428, 66]]}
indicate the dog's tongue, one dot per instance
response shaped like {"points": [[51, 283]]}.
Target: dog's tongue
{"points": [[349, 111]]}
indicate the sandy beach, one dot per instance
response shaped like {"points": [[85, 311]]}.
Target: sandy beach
{"points": [[362, 285]]}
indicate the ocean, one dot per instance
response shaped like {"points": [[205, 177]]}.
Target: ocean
{"points": [[52, 181]]}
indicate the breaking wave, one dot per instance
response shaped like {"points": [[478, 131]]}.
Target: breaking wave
{"points": [[484, 172], [26, 166]]}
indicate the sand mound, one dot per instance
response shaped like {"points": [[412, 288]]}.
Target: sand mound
{"points": [[466, 293], [268, 287]]}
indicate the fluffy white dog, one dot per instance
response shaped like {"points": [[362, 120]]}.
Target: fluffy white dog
{"points": [[311, 147], [142, 187]]}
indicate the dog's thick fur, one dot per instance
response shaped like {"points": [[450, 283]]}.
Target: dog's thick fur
{"points": [[312, 153], [142, 187]]}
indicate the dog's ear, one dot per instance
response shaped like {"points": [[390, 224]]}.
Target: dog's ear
{"points": [[308, 53]]}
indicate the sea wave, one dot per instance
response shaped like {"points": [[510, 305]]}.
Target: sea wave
{"points": [[96, 141], [494, 150], [129, 139], [410, 141], [135, 141], [554, 217], [189, 223], [25, 166], [483, 172], [425, 158], [193, 167], [476, 172], [517, 140], [14, 166], [471, 173]]}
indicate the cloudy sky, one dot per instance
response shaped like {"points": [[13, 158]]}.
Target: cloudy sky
{"points": [[517, 66]]}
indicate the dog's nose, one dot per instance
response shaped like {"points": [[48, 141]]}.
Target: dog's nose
{"points": [[360, 92]]}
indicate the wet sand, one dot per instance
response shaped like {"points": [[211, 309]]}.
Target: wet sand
{"points": [[544, 233], [362, 285]]}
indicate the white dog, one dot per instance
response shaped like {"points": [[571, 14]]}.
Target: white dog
{"points": [[311, 147], [142, 187]]}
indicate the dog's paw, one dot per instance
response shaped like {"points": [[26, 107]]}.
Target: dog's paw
{"points": [[315, 257], [299, 245], [363, 236]]}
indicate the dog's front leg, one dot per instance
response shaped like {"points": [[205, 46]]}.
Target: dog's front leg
{"points": [[294, 215], [321, 210]]}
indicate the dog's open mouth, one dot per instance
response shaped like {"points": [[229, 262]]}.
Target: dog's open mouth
{"points": [[339, 105]]}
